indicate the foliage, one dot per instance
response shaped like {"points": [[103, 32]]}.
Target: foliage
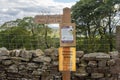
{"points": [[15, 37], [26, 34], [95, 21]]}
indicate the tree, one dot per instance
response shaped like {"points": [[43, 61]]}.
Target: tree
{"points": [[38, 36], [94, 22], [15, 37]]}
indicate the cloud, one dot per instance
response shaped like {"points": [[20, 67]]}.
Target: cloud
{"points": [[13, 9]]}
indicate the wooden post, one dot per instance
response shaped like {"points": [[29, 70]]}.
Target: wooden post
{"points": [[66, 63], [66, 19], [66, 75]]}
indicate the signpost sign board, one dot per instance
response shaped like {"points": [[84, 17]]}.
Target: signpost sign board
{"points": [[48, 19]]}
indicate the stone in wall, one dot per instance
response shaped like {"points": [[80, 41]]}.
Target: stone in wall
{"points": [[7, 62], [114, 54], [111, 62], [4, 54], [13, 69], [90, 57], [115, 69], [79, 54], [102, 63], [96, 56], [97, 75], [81, 72], [25, 55], [42, 59], [36, 53], [92, 63]]}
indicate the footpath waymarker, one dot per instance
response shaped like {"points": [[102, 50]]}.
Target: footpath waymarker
{"points": [[67, 50]]}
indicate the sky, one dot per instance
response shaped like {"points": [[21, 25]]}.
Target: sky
{"points": [[13, 9], [65, 1]]}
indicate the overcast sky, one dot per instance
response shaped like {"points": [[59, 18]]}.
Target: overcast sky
{"points": [[13, 9]]}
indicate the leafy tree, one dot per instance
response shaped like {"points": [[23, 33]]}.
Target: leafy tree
{"points": [[32, 35], [94, 19], [15, 37]]}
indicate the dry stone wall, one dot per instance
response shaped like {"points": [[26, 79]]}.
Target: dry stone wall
{"points": [[98, 66], [29, 65], [43, 65]]}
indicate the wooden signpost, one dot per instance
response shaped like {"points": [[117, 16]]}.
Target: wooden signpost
{"points": [[67, 50], [67, 44]]}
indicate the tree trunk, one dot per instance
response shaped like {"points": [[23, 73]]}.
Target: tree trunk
{"points": [[110, 33], [46, 43]]}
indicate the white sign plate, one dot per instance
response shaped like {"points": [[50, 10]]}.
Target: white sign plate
{"points": [[67, 34]]}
